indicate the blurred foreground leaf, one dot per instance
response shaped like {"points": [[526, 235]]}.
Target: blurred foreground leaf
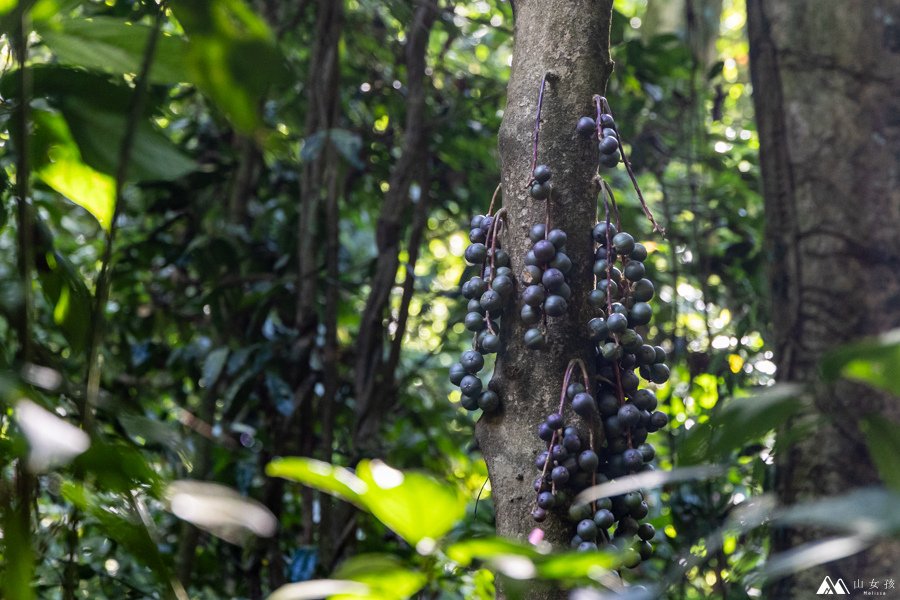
{"points": [[415, 506], [883, 440], [113, 46], [220, 510], [875, 361], [385, 576]]}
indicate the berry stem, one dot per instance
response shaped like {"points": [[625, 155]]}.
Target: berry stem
{"points": [[494, 197], [603, 105], [493, 232], [537, 127]]}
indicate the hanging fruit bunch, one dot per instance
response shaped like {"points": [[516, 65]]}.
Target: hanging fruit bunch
{"points": [[607, 406]]}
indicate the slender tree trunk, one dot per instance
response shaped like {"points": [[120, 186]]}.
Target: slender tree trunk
{"points": [[570, 40], [826, 80]]}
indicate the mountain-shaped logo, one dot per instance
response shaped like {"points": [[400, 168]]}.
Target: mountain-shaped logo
{"points": [[831, 588]]}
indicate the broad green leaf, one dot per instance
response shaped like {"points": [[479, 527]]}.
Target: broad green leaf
{"points": [[466, 551], [89, 189], [417, 507], [99, 134], [113, 46], [231, 57], [386, 577], [738, 422], [7, 6], [336, 481], [883, 440], [577, 565], [875, 361], [57, 162]]}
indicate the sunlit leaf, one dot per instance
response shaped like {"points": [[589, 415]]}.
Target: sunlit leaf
{"points": [[320, 588], [220, 510], [417, 507], [466, 551], [577, 565], [336, 481], [875, 361], [386, 577], [51, 441], [738, 422], [113, 46]]}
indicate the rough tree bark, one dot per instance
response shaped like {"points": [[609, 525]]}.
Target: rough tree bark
{"points": [[827, 96], [570, 40]]}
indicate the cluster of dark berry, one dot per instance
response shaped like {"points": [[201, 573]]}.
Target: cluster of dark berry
{"points": [[622, 297], [606, 133], [626, 412], [547, 291], [487, 292]]}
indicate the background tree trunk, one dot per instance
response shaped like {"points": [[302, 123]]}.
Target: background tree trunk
{"points": [[569, 39], [825, 81]]}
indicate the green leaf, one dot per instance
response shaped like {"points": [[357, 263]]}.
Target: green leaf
{"points": [[117, 467], [578, 565], [113, 46], [875, 361], [59, 165], [231, 57], [466, 551], [386, 577], [336, 481], [99, 134], [120, 522], [738, 422], [417, 507], [213, 365], [65, 290], [883, 440]]}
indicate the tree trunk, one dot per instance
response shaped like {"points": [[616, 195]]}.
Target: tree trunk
{"points": [[569, 39], [827, 96]]}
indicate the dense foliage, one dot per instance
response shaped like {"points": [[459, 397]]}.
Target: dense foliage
{"points": [[243, 241]]}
